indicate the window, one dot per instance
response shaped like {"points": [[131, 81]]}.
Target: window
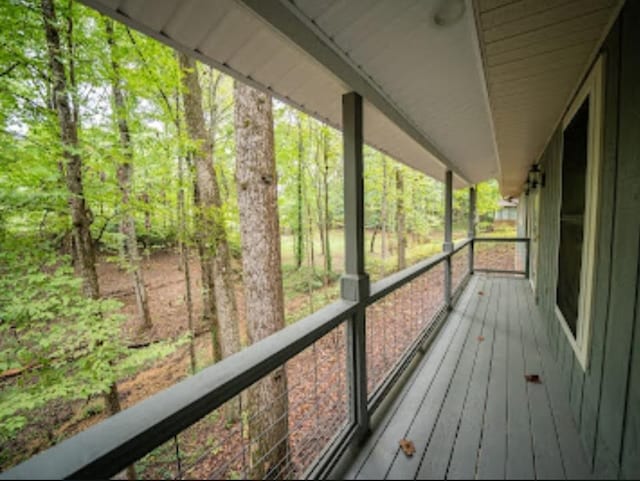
{"points": [[581, 145]]}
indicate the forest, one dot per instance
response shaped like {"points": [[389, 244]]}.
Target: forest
{"points": [[157, 216]]}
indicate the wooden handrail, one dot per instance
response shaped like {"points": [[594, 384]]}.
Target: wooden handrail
{"points": [[501, 239], [105, 449]]}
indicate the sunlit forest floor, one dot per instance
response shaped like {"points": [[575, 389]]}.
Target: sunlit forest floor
{"points": [[305, 291]]}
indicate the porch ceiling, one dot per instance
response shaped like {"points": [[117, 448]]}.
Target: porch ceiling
{"points": [[480, 96], [425, 99], [535, 54]]}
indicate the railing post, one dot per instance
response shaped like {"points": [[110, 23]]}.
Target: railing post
{"points": [[448, 235], [354, 284], [526, 258], [472, 225]]}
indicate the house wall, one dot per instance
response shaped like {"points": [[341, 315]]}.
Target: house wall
{"points": [[506, 213], [606, 398]]}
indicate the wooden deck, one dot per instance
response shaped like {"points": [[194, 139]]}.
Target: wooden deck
{"points": [[468, 408]]}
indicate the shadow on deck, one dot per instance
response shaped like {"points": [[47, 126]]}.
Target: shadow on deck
{"points": [[468, 408]]}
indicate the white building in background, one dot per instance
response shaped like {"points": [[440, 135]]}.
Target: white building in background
{"points": [[507, 211]]}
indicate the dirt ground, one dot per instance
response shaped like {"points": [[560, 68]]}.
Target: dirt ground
{"points": [[317, 390], [165, 282]]}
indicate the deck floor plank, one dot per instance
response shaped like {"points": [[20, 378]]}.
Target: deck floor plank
{"points": [[492, 454], [519, 443], [426, 417], [379, 451], [435, 459], [573, 457], [462, 463], [468, 408], [546, 450]]}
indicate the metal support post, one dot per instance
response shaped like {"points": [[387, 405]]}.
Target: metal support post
{"points": [[472, 225], [354, 284], [448, 235], [527, 259]]}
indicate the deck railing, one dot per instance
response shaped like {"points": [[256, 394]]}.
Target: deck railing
{"points": [[502, 255], [313, 421]]}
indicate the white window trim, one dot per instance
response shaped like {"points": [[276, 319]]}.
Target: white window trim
{"points": [[594, 88]]}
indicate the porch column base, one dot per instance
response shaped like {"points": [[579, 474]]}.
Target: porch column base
{"points": [[354, 287]]}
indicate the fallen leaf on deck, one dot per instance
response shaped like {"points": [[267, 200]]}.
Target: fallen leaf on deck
{"points": [[480, 293], [480, 338], [533, 378], [408, 447]]}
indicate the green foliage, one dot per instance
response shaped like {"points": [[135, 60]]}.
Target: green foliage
{"points": [[485, 226], [488, 195], [66, 343], [423, 196], [92, 409], [70, 347], [299, 281]]}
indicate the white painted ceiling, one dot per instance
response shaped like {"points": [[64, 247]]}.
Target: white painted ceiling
{"points": [[425, 86], [432, 74], [535, 54]]}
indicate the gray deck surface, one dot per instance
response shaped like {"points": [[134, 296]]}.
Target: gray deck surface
{"points": [[468, 408]]}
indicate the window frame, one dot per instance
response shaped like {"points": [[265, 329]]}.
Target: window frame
{"points": [[593, 88]]}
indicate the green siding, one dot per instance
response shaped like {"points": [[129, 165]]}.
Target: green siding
{"points": [[629, 208], [592, 384], [605, 399]]}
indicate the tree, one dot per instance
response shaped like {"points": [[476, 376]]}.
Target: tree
{"points": [[400, 220], [72, 357], [327, 212], [299, 196], [261, 265], [81, 216], [488, 195], [80, 212], [125, 174], [383, 209], [212, 238]]}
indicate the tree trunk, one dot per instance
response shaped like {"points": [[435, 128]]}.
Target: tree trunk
{"points": [[183, 246], [299, 200], [209, 316], [311, 259], [81, 217], [400, 220], [212, 237], [80, 214], [259, 227], [383, 212], [184, 263], [125, 173], [327, 212], [147, 211], [312, 252], [372, 244], [112, 399], [318, 184], [320, 215]]}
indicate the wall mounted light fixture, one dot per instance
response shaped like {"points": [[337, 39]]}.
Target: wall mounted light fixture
{"points": [[536, 177]]}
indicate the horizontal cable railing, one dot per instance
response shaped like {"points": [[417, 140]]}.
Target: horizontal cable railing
{"points": [[219, 423], [505, 255], [396, 320], [105, 449], [402, 311], [273, 429], [460, 267]]}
